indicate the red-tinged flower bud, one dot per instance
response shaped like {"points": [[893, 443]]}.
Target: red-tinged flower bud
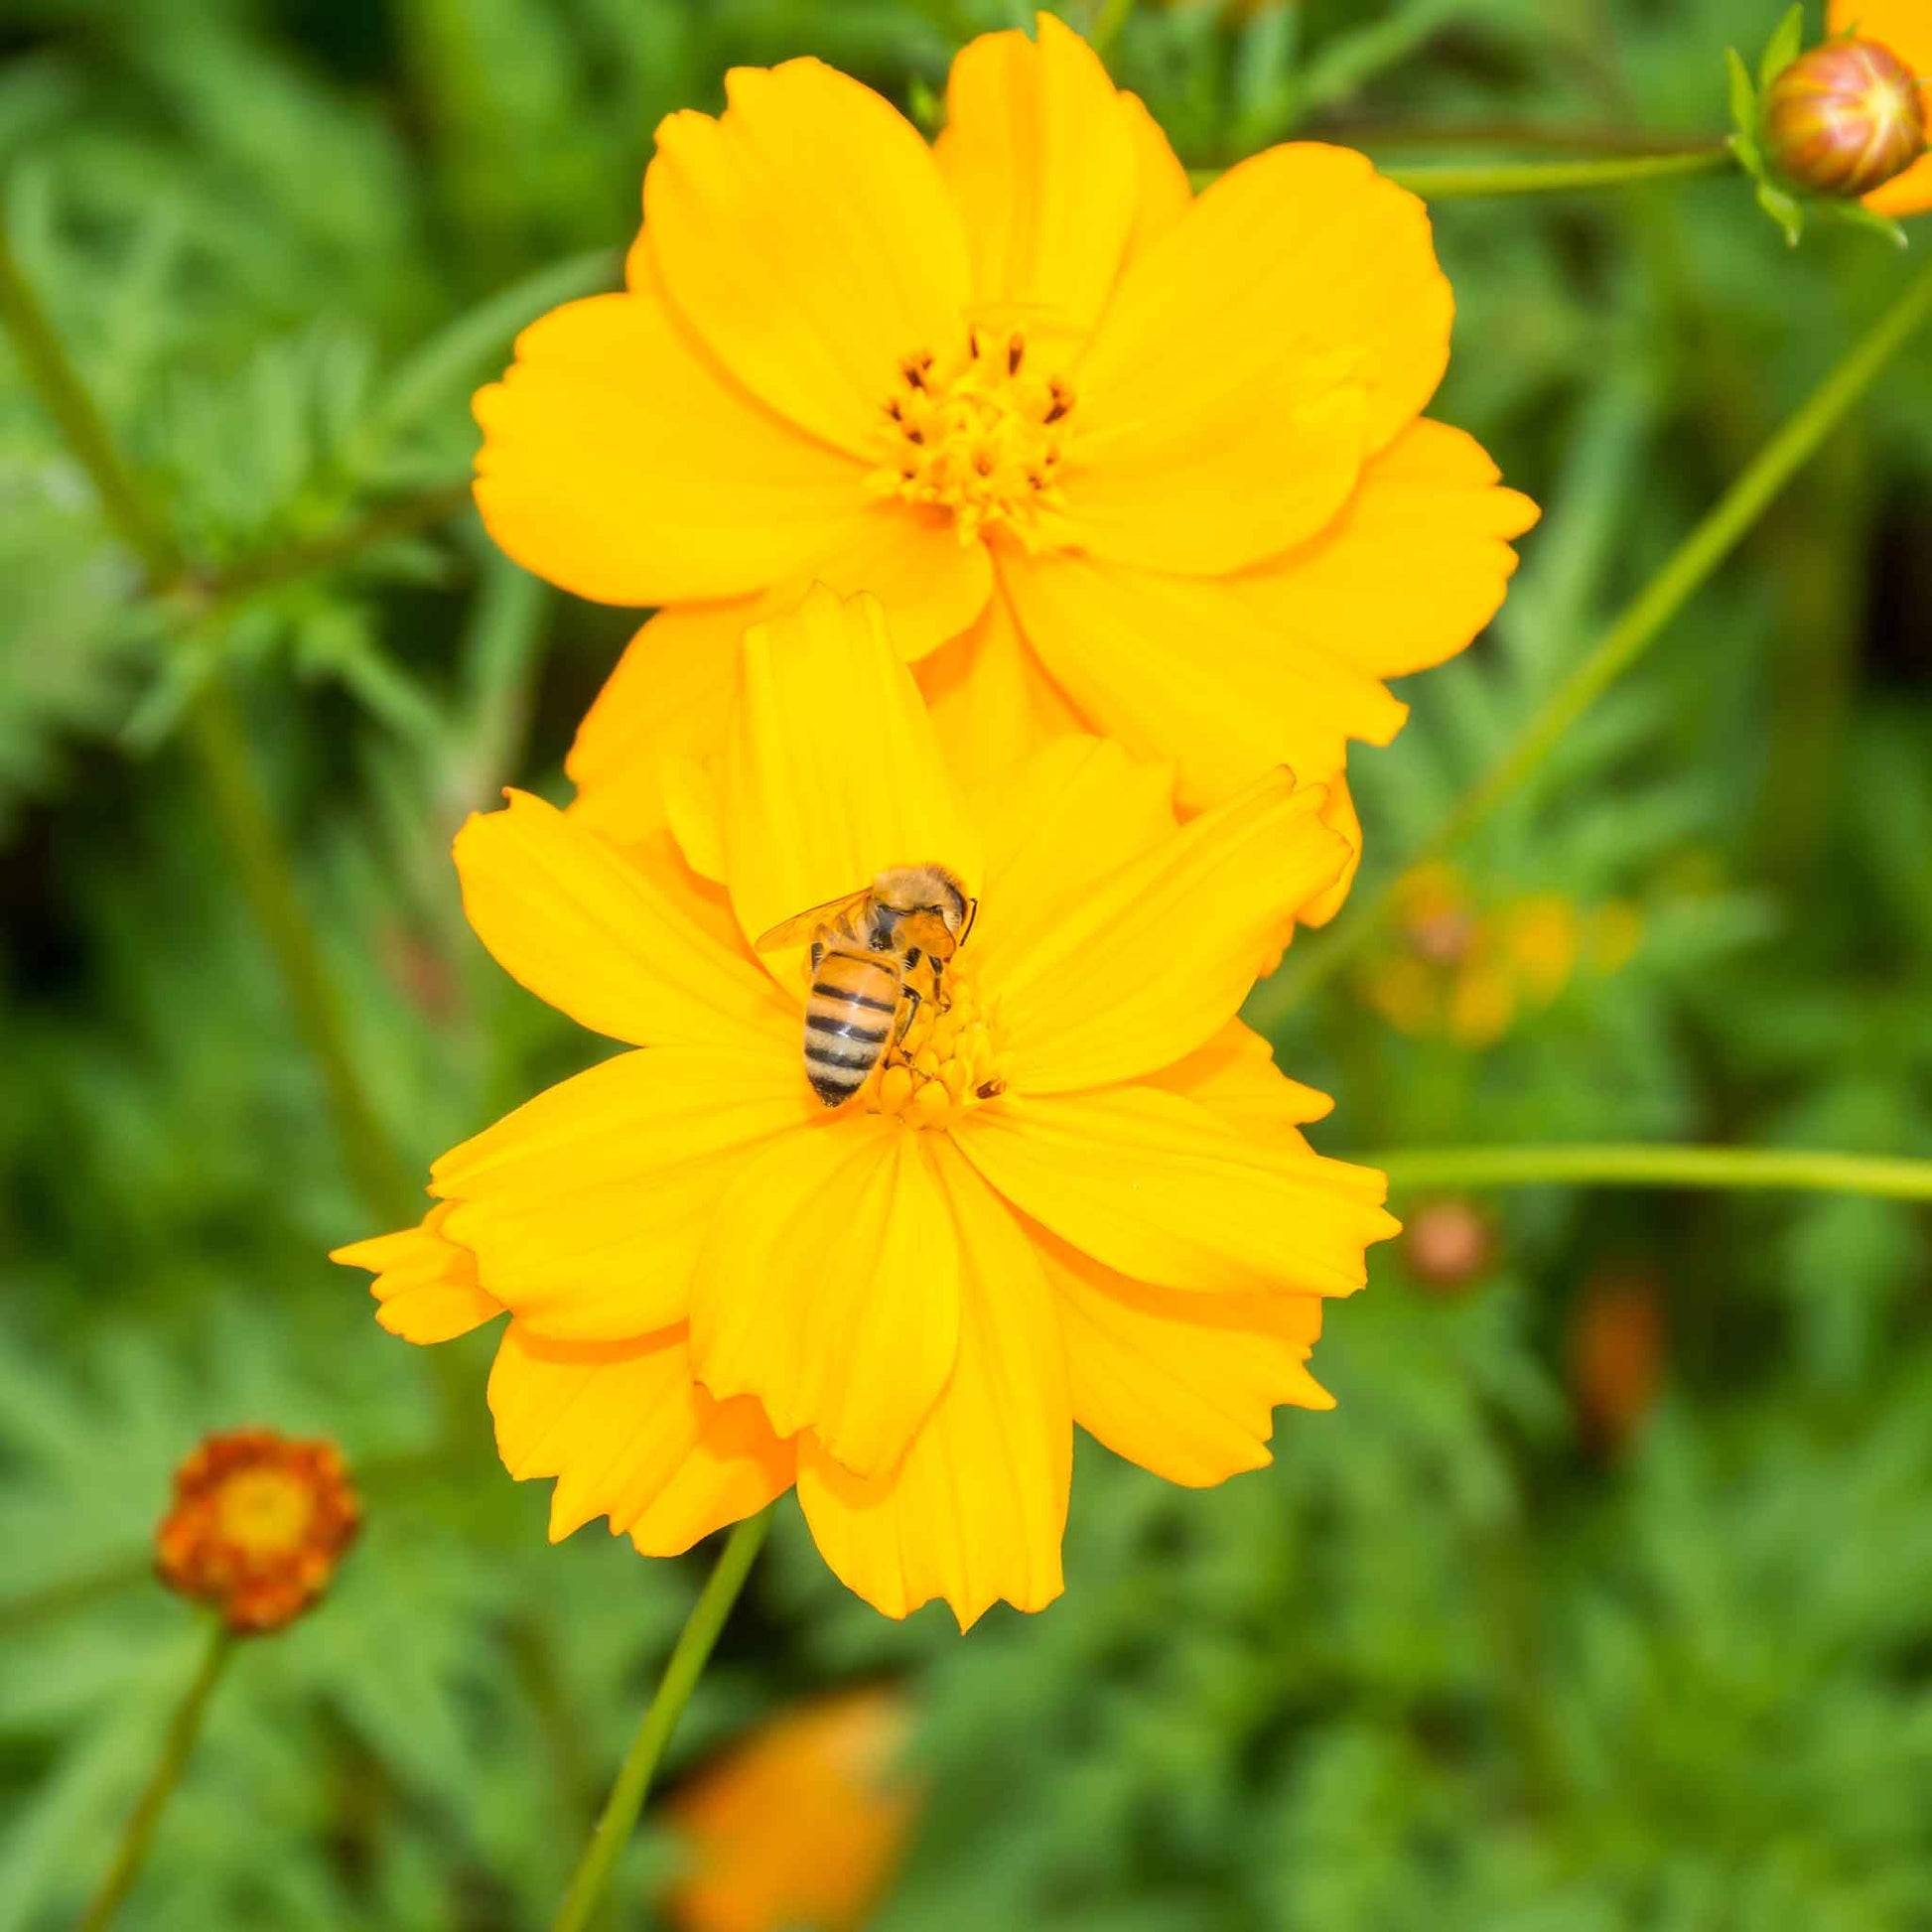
{"points": [[1450, 1245], [1844, 118]]}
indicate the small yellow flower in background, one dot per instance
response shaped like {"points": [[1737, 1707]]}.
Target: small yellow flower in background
{"points": [[258, 1524], [1457, 968], [1079, 1193], [800, 1826], [1903, 28], [1115, 458]]}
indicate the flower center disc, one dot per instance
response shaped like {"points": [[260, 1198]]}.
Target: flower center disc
{"points": [[265, 1512], [980, 434], [944, 1067]]}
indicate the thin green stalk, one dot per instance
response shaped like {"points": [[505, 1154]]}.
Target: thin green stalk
{"points": [[58, 385], [218, 746], [219, 750], [175, 1749], [680, 1679], [1635, 1165], [1688, 568], [1483, 180]]}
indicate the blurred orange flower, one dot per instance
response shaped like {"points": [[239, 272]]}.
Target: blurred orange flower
{"points": [[1457, 968], [1904, 28], [1115, 458], [1078, 1192], [800, 1826], [259, 1523]]}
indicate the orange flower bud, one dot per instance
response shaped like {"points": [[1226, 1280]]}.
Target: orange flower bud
{"points": [[1448, 1244], [1844, 118], [259, 1525]]}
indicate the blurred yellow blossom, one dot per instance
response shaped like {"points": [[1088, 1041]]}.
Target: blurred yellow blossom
{"points": [[1456, 966]]}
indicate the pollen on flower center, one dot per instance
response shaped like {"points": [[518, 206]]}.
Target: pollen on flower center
{"points": [[980, 433], [265, 1511], [946, 1065]]}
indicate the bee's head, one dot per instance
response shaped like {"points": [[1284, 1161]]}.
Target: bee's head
{"points": [[932, 891]]}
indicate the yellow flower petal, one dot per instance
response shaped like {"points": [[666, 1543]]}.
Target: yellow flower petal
{"points": [[1413, 568], [618, 461], [1041, 160], [425, 1285], [1055, 824], [670, 696], [1291, 323], [1164, 194], [1234, 1076], [830, 1287], [630, 1435], [832, 772], [991, 700], [1150, 963], [975, 1512], [911, 559], [807, 239], [1156, 1187], [1181, 667], [567, 915], [1185, 1384], [587, 1207], [1339, 816]]}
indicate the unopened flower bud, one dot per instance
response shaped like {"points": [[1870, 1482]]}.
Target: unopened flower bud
{"points": [[1844, 118], [1448, 1245]]}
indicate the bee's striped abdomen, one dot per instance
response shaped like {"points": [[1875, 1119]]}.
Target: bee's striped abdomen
{"points": [[850, 1015]]}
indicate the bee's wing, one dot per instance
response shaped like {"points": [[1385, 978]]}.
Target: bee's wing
{"points": [[808, 925]]}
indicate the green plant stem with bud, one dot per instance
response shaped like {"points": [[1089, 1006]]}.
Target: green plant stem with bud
{"points": [[1462, 1169], [1683, 573], [177, 1748], [1485, 181], [689, 1656], [219, 750]]}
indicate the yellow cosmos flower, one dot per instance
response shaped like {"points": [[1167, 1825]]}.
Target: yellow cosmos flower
{"points": [[1904, 27], [1079, 1193], [1115, 458]]}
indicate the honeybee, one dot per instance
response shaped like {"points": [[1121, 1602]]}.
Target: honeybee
{"points": [[878, 956]]}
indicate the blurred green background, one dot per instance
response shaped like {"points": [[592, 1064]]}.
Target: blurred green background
{"points": [[1605, 1597]]}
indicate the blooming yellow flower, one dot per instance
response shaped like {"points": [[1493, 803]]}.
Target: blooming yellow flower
{"points": [[1115, 458], [1904, 27], [1078, 1194], [257, 1526], [800, 1825]]}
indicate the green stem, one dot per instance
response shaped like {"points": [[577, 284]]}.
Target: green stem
{"points": [[1486, 179], [1688, 568], [220, 749], [1635, 1165], [58, 385], [175, 1751], [680, 1679], [218, 746]]}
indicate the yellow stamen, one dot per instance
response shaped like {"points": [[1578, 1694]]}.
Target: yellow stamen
{"points": [[982, 435], [945, 1066]]}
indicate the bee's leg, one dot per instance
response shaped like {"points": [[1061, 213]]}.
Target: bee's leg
{"points": [[818, 953], [910, 1010], [941, 999]]}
